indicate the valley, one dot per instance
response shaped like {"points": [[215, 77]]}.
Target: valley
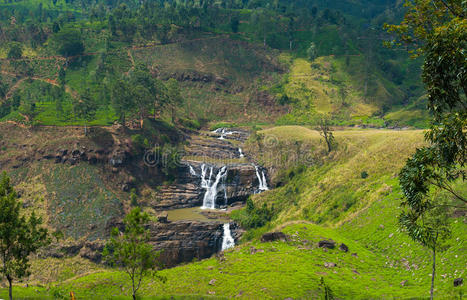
{"points": [[223, 149]]}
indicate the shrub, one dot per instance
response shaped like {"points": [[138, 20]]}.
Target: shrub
{"points": [[364, 174], [192, 124], [252, 216]]}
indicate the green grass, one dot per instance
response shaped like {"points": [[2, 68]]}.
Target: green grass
{"points": [[278, 270]]}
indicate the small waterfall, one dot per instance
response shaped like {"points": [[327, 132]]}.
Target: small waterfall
{"points": [[192, 171], [209, 200], [223, 132], [227, 239], [263, 184], [241, 152], [205, 183]]}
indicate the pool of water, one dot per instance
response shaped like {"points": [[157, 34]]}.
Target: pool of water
{"points": [[197, 214]]}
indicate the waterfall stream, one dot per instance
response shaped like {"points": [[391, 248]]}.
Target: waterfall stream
{"points": [[263, 184], [209, 200], [241, 152], [227, 239]]}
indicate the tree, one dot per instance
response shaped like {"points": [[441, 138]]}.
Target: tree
{"points": [[326, 132], [85, 108], [15, 50], [28, 109], [174, 97], [3, 90], [20, 236], [438, 30], [130, 250], [68, 42], [121, 98], [311, 52], [430, 230], [234, 23]]}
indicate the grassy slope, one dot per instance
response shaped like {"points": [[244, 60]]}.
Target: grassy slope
{"points": [[385, 256]]}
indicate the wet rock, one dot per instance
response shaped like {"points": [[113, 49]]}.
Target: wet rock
{"points": [[329, 244], [183, 241], [163, 217], [273, 236], [458, 281], [343, 247]]}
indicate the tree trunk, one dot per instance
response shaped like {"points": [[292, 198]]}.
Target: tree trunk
{"points": [[10, 287], [134, 296], [433, 274]]}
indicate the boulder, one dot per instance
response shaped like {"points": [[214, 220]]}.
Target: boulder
{"points": [[329, 244], [163, 217], [274, 236], [458, 281], [330, 265], [343, 247]]}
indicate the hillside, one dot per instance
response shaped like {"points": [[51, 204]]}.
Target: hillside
{"points": [[243, 73], [261, 147], [324, 200]]}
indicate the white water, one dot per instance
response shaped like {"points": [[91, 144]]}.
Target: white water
{"points": [[227, 240], [223, 132], [241, 152], [192, 171], [263, 184], [209, 200]]}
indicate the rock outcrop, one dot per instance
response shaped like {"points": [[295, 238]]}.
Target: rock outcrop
{"points": [[180, 241], [240, 182]]}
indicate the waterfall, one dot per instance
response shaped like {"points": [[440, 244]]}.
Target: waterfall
{"points": [[205, 183], [223, 132], [192, 171], [227, 239], [263, 184], [241, 152], [209, 200]]}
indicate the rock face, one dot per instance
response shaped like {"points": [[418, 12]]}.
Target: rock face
{"points": [[180, 241], [240, 182], [183, 241]]}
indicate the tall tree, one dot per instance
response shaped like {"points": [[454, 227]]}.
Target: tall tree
{"points": [[174, 97], [68, 42], [85, 108], [121, 98], [20, 236], [438, 30], [131, 251], [325, 131], [15, 50]]}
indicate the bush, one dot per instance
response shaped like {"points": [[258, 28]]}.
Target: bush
{"points": [[364, 174], [192, 124], [252, 216]]}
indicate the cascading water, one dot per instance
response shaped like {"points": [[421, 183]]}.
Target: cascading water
{"points": [[192, 171], [227, 239], [209, 200], [223, 132], [263, 184], [241, 152]]}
